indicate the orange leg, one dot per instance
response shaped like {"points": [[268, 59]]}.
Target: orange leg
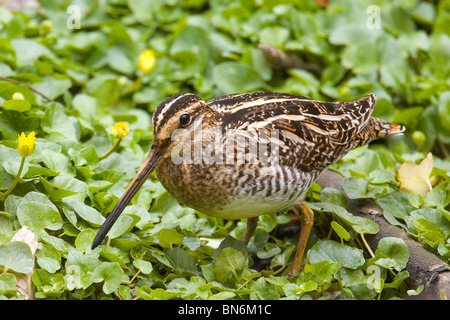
{"points": [[307, 220], [251, 226]]}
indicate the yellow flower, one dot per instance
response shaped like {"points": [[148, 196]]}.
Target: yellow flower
{"points": [[120, 129], [26, 144], [147, 61]]}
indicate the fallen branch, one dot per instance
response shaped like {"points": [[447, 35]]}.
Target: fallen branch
{"points": [[424, 267]]}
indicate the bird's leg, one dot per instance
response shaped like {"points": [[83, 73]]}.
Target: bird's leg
{"points": [[306, 219], [251, 226]]}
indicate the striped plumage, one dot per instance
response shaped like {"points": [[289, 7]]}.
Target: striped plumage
{"points": [[312, 136], [293, 139]]}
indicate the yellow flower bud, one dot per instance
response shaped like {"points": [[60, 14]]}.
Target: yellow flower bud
{"points": [[147, 61], [17, 96], [26, 144], [120, 129]]}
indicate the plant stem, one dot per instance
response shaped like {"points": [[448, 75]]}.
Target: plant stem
{"points": [[16, 179], [279, 270], [242, 285], [111, 150], [28, 86], [135, 275], [367, 246]]}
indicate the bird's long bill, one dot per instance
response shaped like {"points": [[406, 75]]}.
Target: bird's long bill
{"points": [[141, 176]]}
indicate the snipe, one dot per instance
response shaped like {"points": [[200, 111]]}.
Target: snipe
{"points": [[243, 155]]}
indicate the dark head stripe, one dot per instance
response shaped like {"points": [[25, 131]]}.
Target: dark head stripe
{"points": [[171, 106]]}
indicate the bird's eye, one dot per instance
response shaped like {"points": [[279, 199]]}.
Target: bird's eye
{"points": [[185, 119]]}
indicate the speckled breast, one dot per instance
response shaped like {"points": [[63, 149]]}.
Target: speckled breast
{"points": [[234, 191]]}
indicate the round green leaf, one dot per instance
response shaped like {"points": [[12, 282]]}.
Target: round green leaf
{"points": [[39, 216], [16, 256], [144, 266], [111, 274], [169, 237], [335, 252], [392, 253]]}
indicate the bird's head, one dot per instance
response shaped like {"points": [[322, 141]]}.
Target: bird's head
{"points": [[181, 111]]}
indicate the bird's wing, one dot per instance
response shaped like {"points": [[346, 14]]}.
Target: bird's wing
{"points": [[315, 133]]}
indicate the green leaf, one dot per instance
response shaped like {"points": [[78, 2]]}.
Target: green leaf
{"points": [[230, 242], [111, 274], [52, 285], [55, 192], [324, 269], [356, 188], [6, 179], [416, 292], [274, 36], [359, 224], [144, 10], [340, 230], [144, 266], [169, 237], [444, 108], [233, 77], [123, 224], [147, 293], [114, 254], [225, 295], [16, 256], [39, 216], [230, 262], [434, 215], [49, 264], [396, 207], [29, 50], [270, 250], [86, 212], [52, 87], [85, 157], [7, 284], [192, 243], [56, 120], [16, 105], [84, 240], [55, 161], [439, 197], [70, 183], [86, 262], [190, 49], [264, 290], [392, 253], [181, 261], [126, 293], [334, 196], [332, 251], [429, 230]]}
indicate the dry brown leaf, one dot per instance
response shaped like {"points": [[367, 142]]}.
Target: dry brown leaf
{"points": [[415, 178], [24, 284]]}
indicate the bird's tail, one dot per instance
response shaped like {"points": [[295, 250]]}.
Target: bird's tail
{"points": [[396, 128]]}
